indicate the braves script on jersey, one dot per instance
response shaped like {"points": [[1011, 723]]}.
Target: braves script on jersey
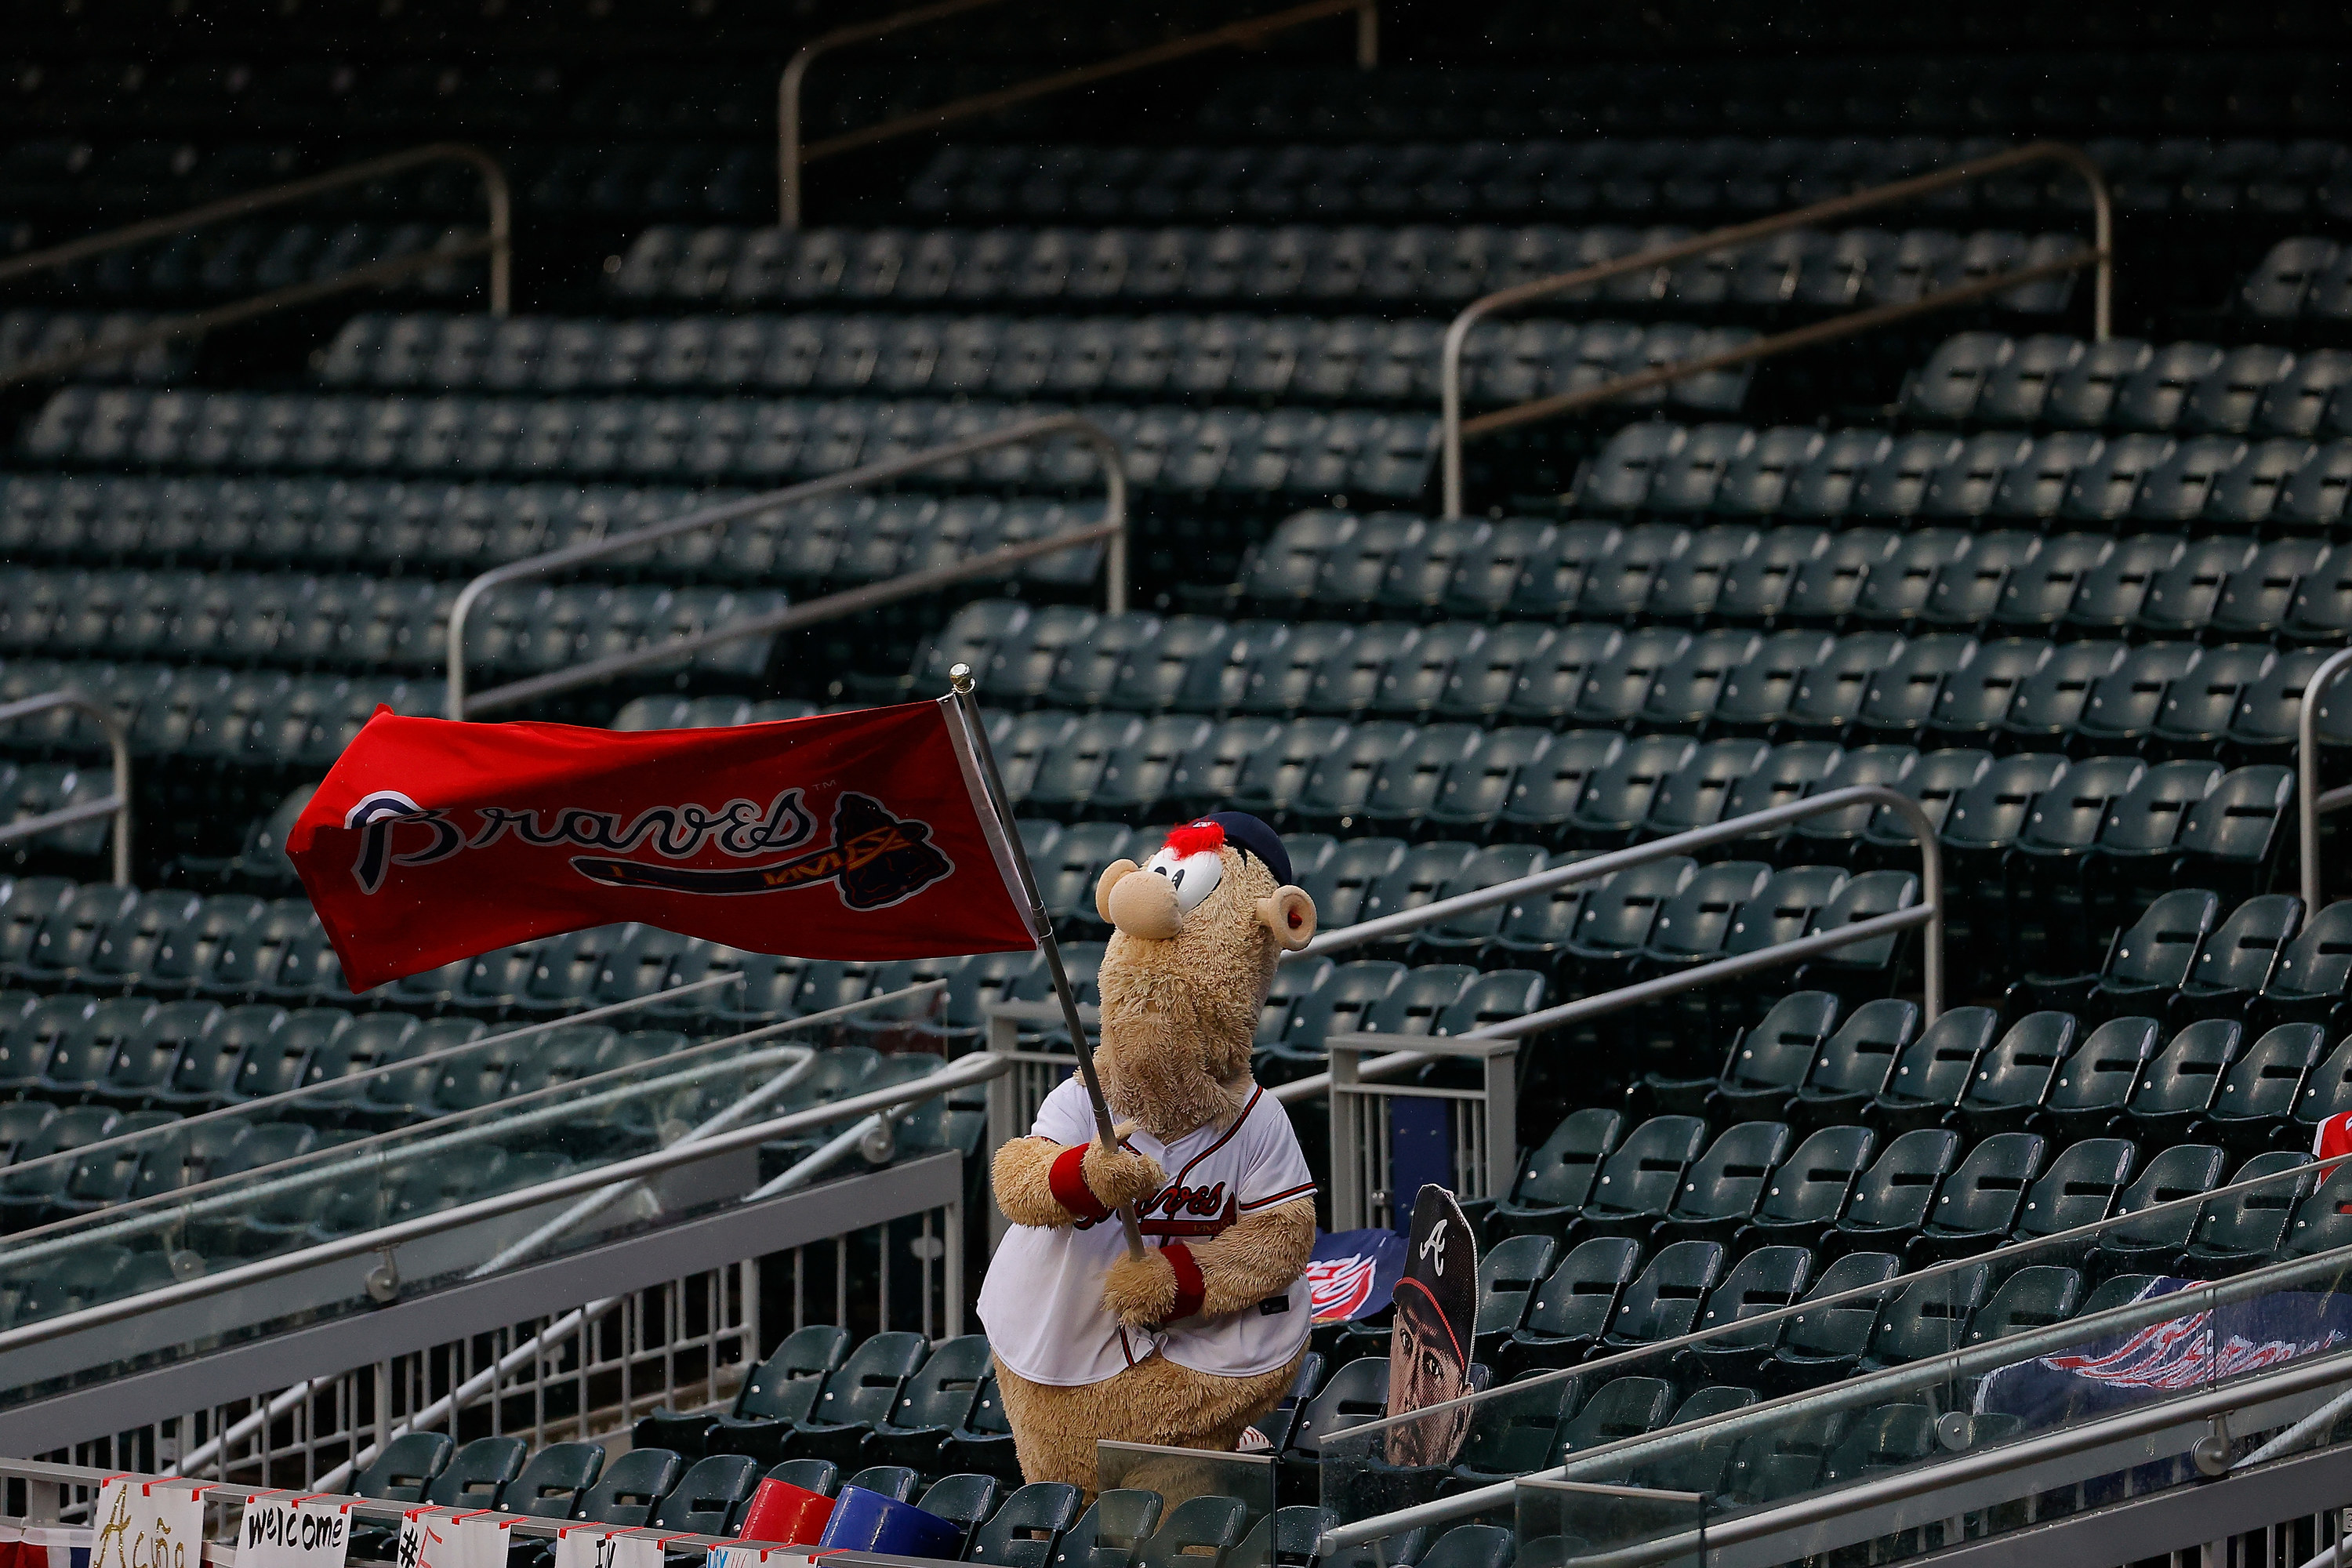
{"points": [[1041, 1304]]}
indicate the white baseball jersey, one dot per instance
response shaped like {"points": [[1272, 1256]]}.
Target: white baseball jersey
{"points": [[1042, 1303]]}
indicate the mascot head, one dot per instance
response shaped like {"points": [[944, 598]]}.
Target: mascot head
{"points": [[1198, 929]]}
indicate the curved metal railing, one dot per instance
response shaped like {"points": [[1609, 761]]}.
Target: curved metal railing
{"points": [[498, 244], [793, 158], [2100, 255], [2311, 802], [832, 606], [117, 805], [1927, 913]]}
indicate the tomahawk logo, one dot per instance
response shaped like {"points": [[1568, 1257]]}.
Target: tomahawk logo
{"points": [[876, 859]]}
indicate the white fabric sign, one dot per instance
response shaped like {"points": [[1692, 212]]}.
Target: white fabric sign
{"points": [[281, 1533], [148, 1524], [578, 1546], [754, 1557], [454, 1538]]}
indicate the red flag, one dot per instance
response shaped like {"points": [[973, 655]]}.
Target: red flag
{"points": [[863, 836]]}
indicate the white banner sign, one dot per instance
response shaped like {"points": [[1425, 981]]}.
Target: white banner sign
{"points": [[281, 1533], [578, 1546], [455, 1538], [148, 1524]]}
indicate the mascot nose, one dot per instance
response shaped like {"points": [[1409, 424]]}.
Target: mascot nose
{"points": [[1143, 905]]}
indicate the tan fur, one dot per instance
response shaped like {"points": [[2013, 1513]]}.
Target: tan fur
{"points": [[1178, 1014], [1026, 1193], [1055, 1429], [1258, 1257]]}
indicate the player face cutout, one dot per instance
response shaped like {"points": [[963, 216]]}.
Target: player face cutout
{"points": [[1425, 1358]]}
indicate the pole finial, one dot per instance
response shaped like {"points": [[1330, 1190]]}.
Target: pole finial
{"points": [[960, 677]]}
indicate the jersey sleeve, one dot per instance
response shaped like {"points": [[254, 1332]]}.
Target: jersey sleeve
{"points": [[1065, 1117], [1276, 1172]]}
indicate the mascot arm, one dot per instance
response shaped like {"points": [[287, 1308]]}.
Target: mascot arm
{"points": [[1037, 1183], [1255, 1258]]}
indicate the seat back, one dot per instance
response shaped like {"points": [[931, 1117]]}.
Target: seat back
{"points": [[1812, 1185], [2080, 1187], [632, 1487], [1646, 1172], [1936, 1069], [1580, 1297], [1899, 1189], [1666, 1301], [1928, 1317], [404, 1467], [2186, 1074], [552, 1481]]}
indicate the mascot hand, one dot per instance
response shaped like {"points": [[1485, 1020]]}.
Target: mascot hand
{"points": [[1121, 1175], [1140, 1291]]}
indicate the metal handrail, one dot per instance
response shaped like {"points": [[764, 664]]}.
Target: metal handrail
{"points": [[1112, 529], [2311, 802], [498, 244], [792, 157], [2101, 255], [1722, 1530], [117, 805], [261, 1107], [1929, 912], [977, 1067], [1983, 1357]]}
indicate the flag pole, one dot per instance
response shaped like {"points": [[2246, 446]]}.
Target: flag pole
{"points": [[1042, 924]]}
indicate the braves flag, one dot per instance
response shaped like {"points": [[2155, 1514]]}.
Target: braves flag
{"points": [[852, 835]]}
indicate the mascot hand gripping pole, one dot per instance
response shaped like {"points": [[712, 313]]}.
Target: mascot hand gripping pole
{"points": [[1190, 1343]]}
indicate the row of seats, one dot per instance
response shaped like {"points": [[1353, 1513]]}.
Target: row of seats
{"points": [[722, 439], [1945, 576], [1810, 269], [29, 790], [2098, 30], [2127, 384], [239, 259], [2305, 279], [373, 624], [2225, 482], [1929, 1193], [1350, 359], [2074, 94], [1944, 688], [2108, 1069], [650, 1487], [391, 528], [30, 334], [1715, 177], [101, 1089]]}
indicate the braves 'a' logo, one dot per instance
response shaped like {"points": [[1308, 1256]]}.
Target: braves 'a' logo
{"points": [[876, 859]]}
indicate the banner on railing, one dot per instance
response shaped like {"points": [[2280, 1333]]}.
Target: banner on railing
{"points": [[289, 1533], [846, 836]]}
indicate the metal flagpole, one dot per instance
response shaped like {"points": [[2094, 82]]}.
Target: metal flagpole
{"points": [[1042, 924]]}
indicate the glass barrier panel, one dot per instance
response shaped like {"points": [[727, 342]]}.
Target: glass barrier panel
{"points": [[1210, 1502], [1560, 1524]]}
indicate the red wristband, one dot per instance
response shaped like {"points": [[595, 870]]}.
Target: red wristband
{"points": [[1067, 1178], [1189, 1288]]}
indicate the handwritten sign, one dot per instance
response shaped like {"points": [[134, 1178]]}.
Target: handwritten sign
{"points": [[148, 1524], [285, 1532], [454, 1538], [577, 1547]]}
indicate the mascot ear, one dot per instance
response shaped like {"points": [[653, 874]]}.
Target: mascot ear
{"points": [[1289, 913], [1111, 874]]}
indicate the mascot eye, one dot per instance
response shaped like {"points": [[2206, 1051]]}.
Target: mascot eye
{"points": [[1195, 876]]}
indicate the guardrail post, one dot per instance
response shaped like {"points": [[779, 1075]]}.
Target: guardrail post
{"points": [[2099, 256], [2308, 805], [792, 157], [498, 243], [1111, 530], [117, 805]]}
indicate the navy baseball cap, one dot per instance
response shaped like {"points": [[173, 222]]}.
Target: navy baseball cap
{"points": [[1246, 832]]}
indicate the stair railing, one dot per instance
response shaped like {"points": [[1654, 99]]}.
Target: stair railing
{"points": [[1111, 529], [117, 805], [2311, 804], [2099, 255], [792, 157], [1927, 913], [498, 244]]}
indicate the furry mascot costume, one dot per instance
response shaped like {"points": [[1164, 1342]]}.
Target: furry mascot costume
{"points": [[1201, 1335]]}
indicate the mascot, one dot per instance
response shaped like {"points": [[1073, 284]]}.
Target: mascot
{"points": [[1189, 1344]]}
